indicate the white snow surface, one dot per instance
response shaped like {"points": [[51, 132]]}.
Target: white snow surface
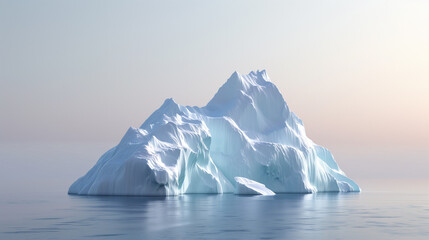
{"points": [[246, 186], [246, 130]]}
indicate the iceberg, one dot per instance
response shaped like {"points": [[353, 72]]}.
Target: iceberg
{"points": [[246, 186], [245, 131]]}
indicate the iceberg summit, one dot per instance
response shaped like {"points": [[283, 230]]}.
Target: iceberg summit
{"points": [[244, 141]]}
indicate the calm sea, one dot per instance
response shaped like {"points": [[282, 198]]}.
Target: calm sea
{"points": [[34, 205]]}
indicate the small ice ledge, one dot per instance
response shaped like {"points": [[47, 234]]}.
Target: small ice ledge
{"points": [[246, 186]]}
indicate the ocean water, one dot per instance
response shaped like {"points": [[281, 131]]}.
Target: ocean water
{"points": [[34, 204]]}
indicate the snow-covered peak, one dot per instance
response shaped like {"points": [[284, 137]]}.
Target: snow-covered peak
{"points": [[251, 96], [169, 103], [238, 84], [257, 78], [168, 108]]}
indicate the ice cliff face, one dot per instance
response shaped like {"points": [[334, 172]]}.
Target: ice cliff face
{"points": [[246, 130]]}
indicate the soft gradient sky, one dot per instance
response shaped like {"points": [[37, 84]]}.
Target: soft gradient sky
{"points": [[356, 72]]}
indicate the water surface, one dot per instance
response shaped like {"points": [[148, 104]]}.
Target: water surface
{"points": [[34, 205]]}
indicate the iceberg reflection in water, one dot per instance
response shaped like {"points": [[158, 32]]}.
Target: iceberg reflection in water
{"points": [[215, 216]]}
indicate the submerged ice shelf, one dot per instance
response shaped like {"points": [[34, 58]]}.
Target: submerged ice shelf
{"points": [[245, 131]]}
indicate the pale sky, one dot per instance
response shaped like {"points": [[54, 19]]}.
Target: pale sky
{"points": [[356, 72]]}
